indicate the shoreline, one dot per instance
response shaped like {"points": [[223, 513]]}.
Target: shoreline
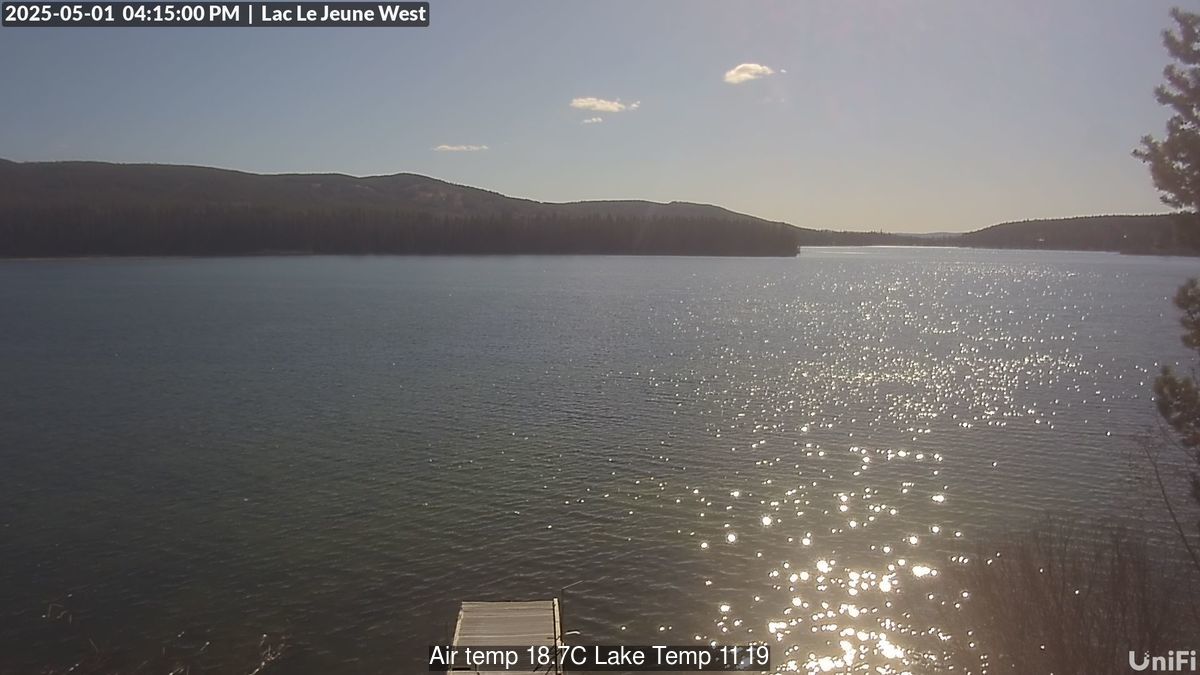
{"points": [[798, 254]]}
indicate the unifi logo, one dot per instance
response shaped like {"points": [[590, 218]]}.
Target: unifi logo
{"points": [[1177, 661]]}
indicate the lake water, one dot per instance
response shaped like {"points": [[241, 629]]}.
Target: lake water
{"points": [[335, 451]]}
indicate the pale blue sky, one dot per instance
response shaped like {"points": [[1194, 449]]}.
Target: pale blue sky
{"points": [[907, 115]]}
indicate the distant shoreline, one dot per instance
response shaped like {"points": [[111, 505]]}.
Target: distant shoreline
{"points": [[63, 210], [800, 254]]}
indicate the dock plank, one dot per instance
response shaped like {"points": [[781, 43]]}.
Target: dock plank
{"points": [[508, 624]]}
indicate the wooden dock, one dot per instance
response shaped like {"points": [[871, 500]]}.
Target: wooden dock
{"points": [[508, 624]]}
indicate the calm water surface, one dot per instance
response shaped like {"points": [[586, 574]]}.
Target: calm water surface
{"points": [[336, 451]]}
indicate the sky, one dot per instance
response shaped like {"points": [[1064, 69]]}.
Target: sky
{"points": [[901, 115]]}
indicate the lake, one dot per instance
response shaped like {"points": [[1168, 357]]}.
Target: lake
{"points": [[334, 451]]}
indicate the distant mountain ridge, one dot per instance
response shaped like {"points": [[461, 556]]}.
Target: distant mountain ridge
{"points": [[97, 208], [94, 208], [1156, 233]]}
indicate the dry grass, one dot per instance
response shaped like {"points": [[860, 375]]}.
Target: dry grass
{"points": [[1069, 597], [83, 655]]}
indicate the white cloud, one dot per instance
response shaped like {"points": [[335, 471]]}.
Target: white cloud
{"points": [[746, 72], [593, 120], [602, 105], [460, 148]]}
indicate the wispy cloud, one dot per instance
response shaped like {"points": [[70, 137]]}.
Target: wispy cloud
{"points": [[602, 105], [746, 72], [460, 148], [593, 120]]}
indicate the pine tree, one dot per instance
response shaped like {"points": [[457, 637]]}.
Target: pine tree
{"points": [[1175, 168], [1175, 161]]}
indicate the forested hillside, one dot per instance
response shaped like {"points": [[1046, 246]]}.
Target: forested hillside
{"points": [[1126, 234], [86, 208], [93, 208]]}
